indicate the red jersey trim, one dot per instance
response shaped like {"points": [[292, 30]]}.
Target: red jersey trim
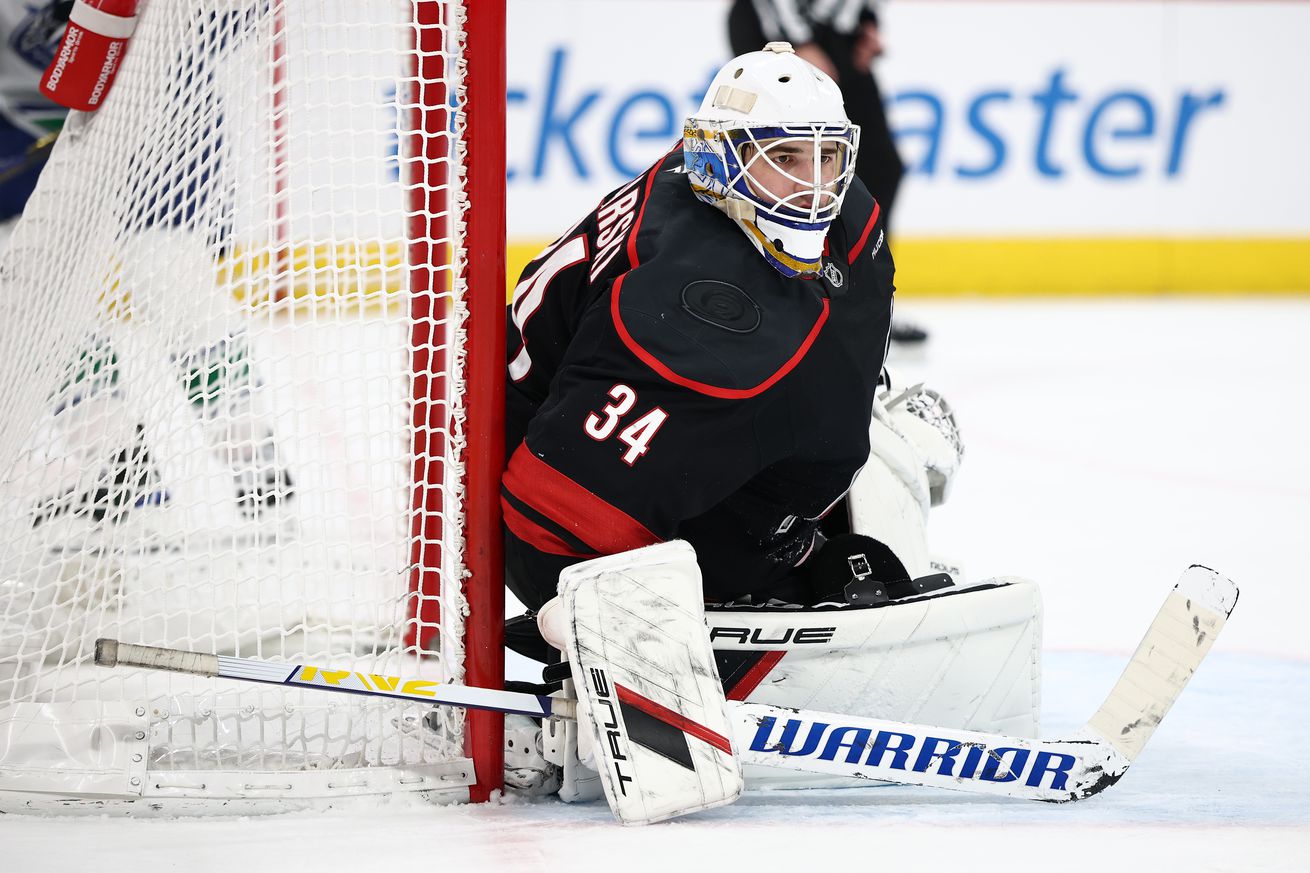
{"points": [[606, 528], [537, 536], [864, 237], [641, 213], [654, 363], [701, 387]]}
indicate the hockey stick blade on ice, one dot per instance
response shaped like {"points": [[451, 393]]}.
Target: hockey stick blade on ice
{"points": [[1095, 758]]}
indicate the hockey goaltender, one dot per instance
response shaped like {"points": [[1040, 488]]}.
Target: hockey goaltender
{"points": [[697, 393]]}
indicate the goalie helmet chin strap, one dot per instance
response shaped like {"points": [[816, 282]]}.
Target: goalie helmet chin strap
{"points": [[739, 210]]}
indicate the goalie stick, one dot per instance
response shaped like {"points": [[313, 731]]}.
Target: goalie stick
{"points": [[1059, 770]]}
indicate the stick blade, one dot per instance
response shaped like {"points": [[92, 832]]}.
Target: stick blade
{"points": [[1208, 588], [1174, 646]]}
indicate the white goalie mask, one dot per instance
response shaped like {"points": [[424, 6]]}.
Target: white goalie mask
{"points": [[772, 148]]}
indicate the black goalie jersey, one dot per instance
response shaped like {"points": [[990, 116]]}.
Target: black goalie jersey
{"points": [[665, 382]]}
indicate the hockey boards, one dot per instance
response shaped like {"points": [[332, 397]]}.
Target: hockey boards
{"points": [[1058, 771]]}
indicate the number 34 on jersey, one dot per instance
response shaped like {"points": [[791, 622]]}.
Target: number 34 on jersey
{"points": [[636, 433]]}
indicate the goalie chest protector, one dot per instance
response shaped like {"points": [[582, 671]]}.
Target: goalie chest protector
{"points": [[802, 355], [703, 308], [682, 307]]}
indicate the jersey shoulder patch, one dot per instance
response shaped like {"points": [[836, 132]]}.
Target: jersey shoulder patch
{"points": [[704, 311]]}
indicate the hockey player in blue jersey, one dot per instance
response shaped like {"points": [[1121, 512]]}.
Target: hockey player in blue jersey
{"points": [[30, 33]]}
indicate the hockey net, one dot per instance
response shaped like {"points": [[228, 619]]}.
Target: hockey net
{"points": [[235, 410]]}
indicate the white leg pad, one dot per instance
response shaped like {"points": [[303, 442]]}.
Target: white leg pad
{"points": [[648, 690], [968, 659]]}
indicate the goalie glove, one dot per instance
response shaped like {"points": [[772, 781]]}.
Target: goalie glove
{"points": [[923, 418], [914, 454]]}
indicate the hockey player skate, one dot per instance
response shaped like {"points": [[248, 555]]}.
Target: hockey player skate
{"points": [[107, 488], [542, 758], [527, 771], [128, 480], [220, 385]]}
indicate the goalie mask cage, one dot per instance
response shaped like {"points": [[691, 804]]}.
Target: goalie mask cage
{"points": [[251, 404]]}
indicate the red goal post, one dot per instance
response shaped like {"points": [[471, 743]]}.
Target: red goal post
{"points": [[485, 274]]}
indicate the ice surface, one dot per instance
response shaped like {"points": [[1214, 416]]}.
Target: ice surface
{"points": [[1110, 445]]}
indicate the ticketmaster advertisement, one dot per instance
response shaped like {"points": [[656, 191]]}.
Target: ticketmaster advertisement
{"points": [[1051, 147]]}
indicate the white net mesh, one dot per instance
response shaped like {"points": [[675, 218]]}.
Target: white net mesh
{"points": [[207, 440]]}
